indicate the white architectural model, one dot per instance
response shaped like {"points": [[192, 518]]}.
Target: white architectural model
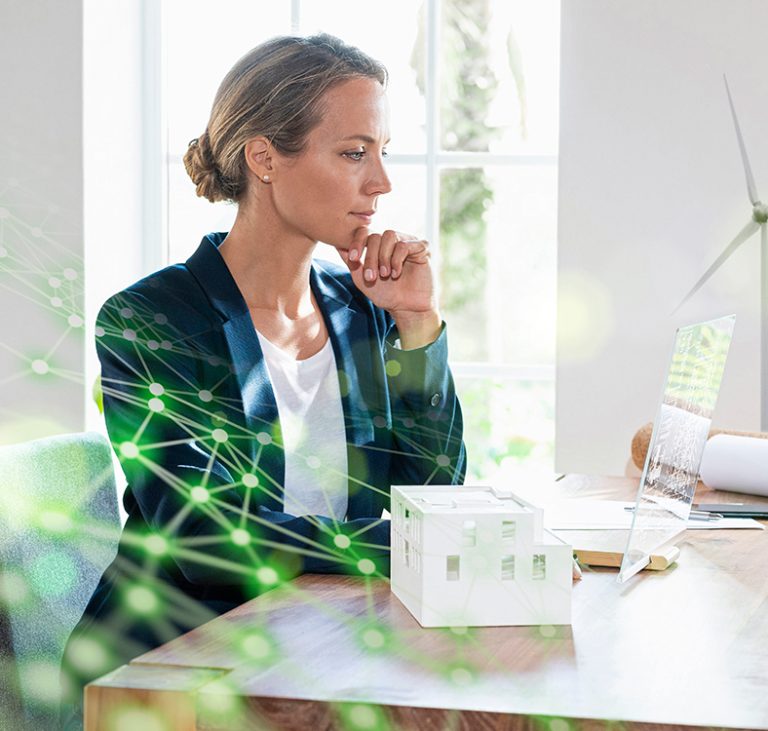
{"points": [[476, 556]]}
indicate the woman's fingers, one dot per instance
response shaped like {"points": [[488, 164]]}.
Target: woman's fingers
{"points": [[389, 240], [371, 263], [355, 251], [383, 255], [416, 251]]}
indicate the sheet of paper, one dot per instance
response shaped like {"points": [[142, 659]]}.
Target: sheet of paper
{"points": [[611, 514]]}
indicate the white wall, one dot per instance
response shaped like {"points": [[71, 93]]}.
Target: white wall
{"points": [[41, 218], [651, 189]]}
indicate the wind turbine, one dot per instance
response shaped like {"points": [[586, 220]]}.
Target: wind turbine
{"points": [[757, 222]]}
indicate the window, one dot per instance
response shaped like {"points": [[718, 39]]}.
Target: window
{"points": [[473, 160], [539, 566], [452, 568], [469, 533], [507, 568], [508, 530]]}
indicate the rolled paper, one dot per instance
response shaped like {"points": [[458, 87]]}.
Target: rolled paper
{"points": [[737, 464], [642, 439]]}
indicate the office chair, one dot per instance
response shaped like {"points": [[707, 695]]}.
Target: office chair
{"points": [[59, 528]]}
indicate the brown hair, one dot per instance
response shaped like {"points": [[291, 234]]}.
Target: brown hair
{"points": [[274, 90]]}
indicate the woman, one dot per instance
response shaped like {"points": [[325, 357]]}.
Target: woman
{"points": [[259, 401]]}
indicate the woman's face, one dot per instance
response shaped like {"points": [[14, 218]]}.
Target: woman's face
{"points": [[331, 189]]}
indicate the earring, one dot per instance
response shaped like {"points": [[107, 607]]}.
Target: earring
{"points": [[265, 178]]}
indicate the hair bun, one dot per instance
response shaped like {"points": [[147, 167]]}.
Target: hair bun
{"points": [[201, 168]]}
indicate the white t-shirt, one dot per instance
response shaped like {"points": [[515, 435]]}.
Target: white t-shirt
{"points": [[312, 422]]}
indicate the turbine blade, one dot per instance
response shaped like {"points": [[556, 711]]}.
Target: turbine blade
{"points": [[741, 237], [751, 187]]}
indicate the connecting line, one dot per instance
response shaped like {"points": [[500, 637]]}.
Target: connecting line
{"points": [[143, 426], [366, 528]]}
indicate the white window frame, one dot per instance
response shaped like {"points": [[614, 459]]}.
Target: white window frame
{"points": [[434, 161]]}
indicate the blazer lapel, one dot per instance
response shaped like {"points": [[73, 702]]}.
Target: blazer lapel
{"points": [[257, 397], [348, 329]]}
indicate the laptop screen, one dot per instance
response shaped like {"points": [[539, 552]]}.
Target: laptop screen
{"points": [[680, 432]]}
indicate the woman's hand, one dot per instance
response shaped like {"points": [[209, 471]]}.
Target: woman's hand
{"points": [[394, 271]]}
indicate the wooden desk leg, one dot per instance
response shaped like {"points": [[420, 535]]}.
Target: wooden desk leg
{"points": [[146, 695]]}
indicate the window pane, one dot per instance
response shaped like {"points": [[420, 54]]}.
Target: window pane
{"points": [[499, 75], [201, 45], [190, 217], [498, 236], [392, 35], [507, 424]]}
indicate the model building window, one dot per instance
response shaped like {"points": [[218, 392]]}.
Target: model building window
{"points": [[469, 533], [507, 568], [539, 566], [452, 568], [508, 530]]}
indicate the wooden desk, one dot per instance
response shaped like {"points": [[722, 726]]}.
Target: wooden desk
{"points": [[684, 647]]}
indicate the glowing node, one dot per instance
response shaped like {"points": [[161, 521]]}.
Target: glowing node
{"points": [[129, 450], [199, 494], [558, 724], [373, 638], [219, 698], [40, 367], [443, 460], [75, 321], [126, 312], [459, 630], [342, 541], [70, 274], [313, 462], [153, 344], [257, 646], [166, 345], [156, 544], [53, 573], [393, 368], [37, 232], [99, 331], [267, 575], [39, 678], [366, 566], [131, 718], [547, 630], [263, 438], [55, 521], [129, 334], [408, 423], [56, 302], [240, 537], [156, 389], [362, 717], [54, 282], [142, 600], [13, 588], [250, 480], [156, 405], [379, 421], [87, 655], [461, 676], [219, 435], [161, 319], [205, 396]]}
